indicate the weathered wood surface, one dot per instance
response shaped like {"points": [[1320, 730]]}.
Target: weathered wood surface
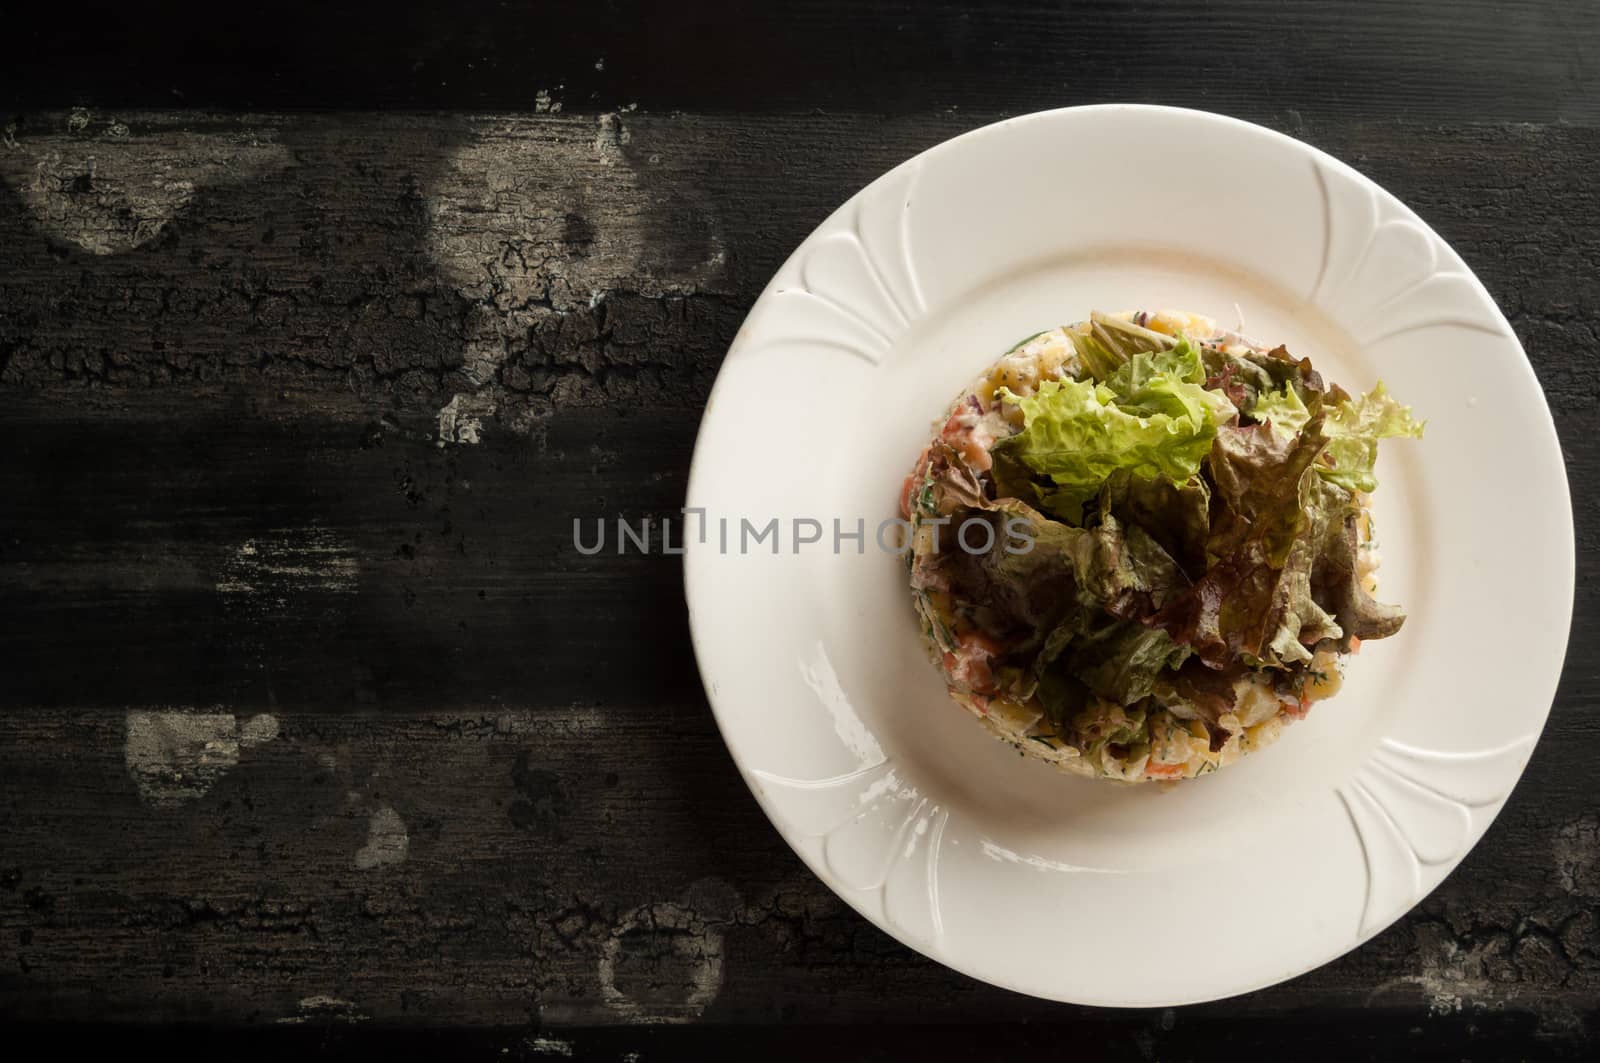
{"points": [[311, 710], [1418, 60]]}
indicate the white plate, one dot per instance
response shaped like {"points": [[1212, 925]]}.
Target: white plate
{"points": [[1001, 866]]}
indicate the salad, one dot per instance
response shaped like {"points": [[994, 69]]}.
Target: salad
{"points": [[1140, 544]]}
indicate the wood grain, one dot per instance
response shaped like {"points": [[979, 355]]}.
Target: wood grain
{"points": [[493, 794], [1415, 60]]}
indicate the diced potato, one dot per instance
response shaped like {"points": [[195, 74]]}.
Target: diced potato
{"points": [[1257, 701], [1017, 373], [1015, 718], [1264, 733], [1170, 741], [1325, 664], [1053, 357], [986, 389], [1173, 322]]}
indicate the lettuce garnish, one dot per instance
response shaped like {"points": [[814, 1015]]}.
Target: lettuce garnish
{"points": [[1151, 418], [1353, 428], [1194, 517]]}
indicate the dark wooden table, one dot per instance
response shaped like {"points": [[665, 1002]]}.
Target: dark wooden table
{"points": [[317, 330]]}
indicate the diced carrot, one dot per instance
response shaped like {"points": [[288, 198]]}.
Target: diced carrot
{"points": [[961, 433], [1355, 645], [978, 640], [1163, 771], [969, 663], [979, 676]]}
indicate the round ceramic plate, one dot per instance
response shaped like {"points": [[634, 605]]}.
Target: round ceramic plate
{"points": [[999, 865]]}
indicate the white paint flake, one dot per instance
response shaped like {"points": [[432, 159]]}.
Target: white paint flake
{"points": [[1576, 852], [549, 1046], [92, 182], [387, 841], [538, 219], [289, 561], [461, 419], [610, 138], [176, 756], [258, 729], [1452, 977], [325, 1003], [323, 1008], [690, 938]]}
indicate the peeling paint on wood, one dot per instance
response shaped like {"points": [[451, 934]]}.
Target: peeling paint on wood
{"points": [[549, 1046], [323, 1008], [289, 560], [592, 865], [91, 182], [1576, 851], [177, 756], [661, 937], [387, 841]]}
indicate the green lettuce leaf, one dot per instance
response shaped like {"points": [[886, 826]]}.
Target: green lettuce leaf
{"points": [[1122, 662], [1180, 362], [1354, 428], [1152, 419], [1013, 478], [1335, 572], [1259, 482], [1295, 621], [1285, 410], [1260, 584], [1101, 724], [1062, 695], [1060, 602], [1235, 376], [1111, 341], [1169, 382], [1029, 593], [1246, 375], [1039, 570], [1281, 368], [1124, 571], [1177, 516], [1286, 539]]}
